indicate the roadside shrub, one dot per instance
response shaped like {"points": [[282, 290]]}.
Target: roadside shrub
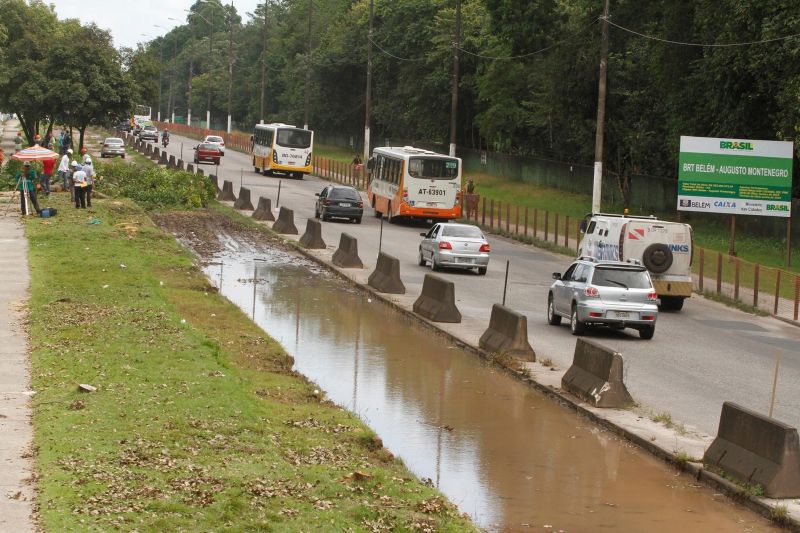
{"points": [[154, 187], [10, 170]]}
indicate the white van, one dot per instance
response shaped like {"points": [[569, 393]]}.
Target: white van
{"points": [[664, 248]]}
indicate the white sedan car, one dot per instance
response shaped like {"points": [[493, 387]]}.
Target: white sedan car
{"points": [[216, 140], [454, 246]]}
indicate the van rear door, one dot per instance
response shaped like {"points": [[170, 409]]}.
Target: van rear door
{"points": [[641, 236]]}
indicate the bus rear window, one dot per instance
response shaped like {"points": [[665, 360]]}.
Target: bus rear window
{"points": [[433, 168], [293, 138]]}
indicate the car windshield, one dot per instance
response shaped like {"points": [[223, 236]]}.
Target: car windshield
{"points": [[433, 168], [345, 194], [206, 146], [467, 232], [113, 140], [150, 128], [213, 139], [294, 138], [627, 278]]}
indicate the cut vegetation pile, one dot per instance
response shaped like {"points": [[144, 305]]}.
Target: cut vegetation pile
{"points": [[198, 422]]}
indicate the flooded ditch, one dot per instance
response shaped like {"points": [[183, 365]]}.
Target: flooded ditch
{"points": [[502, 452]]}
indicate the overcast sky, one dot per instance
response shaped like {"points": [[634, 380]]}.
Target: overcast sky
{"points": [[128, 19]]}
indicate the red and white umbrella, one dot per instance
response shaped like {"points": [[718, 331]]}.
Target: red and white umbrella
{"points": [[34, 153]]}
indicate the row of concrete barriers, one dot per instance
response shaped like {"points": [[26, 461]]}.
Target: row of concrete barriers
{"points": [[749, 446]]}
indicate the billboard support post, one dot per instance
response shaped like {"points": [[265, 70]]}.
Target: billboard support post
{"points": [[789, 241], [732, 243]]}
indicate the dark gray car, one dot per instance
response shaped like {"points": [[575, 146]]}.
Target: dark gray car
{"points": [[339, 201]]}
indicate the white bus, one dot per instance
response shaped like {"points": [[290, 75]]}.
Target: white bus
{"points": [[282, 149], [408, 182]]}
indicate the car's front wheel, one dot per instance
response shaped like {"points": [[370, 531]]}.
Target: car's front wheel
{"points": [[575, 325], [553, 318]]}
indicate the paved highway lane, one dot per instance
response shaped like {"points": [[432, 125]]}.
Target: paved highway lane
{"points": [[699, 357]]}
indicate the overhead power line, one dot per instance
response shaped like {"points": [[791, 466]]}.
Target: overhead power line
{"points": [[702, 45], [392, 55], [529, 54]]}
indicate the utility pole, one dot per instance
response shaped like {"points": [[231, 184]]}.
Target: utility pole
{"points": [[230, 67], [454, 100], [170, 102], [160, 76], [191, 74], [308, 64], [210, 68], [597, 188], [368, 105], [263, 65]]}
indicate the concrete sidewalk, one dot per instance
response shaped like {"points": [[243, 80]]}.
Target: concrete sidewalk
{"points": [[17, 492]]}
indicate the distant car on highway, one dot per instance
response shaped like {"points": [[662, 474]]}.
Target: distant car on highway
{"points": [[337, 201], [216, 139], [207, 153], [454, 246], [613, 294], [113, 146], [149, 133]]}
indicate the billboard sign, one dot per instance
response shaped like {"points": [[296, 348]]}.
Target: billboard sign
{"points": [[735, 176]]}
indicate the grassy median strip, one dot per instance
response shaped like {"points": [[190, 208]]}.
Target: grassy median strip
{"points": [[198, 422]]}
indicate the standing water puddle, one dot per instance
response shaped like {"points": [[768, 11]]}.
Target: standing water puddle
{"points": [[502, 452]]}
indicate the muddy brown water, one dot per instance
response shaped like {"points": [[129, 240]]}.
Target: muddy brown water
{"points": [[502, 452]]}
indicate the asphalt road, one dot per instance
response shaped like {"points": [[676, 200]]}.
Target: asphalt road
{"points": [[701, 356]]}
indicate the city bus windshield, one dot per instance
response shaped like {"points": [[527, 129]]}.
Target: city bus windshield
{"points": [[433, 168], [294, 138]]}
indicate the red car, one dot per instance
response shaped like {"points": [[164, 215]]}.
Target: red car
{"points": [[207, 153]]}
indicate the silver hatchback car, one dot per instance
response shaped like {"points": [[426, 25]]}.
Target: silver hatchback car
{"points": [[455, 246], [604, 293]]}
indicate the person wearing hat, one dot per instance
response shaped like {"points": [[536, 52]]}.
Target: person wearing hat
{"points": [[63, 169], [88, 168], [26, 178], [79, 185]]}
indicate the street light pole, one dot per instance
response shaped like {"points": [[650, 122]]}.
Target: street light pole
{"points": [[308, 64], [454, 98], [210, 59], [597, 186], [263, 65], [191, 75], [230, 67], [368, 104]]}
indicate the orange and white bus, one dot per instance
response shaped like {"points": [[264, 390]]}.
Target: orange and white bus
{"points": [[282, 149], [407, 182]]}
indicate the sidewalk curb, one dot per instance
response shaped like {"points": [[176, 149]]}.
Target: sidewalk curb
{"points": [[762, 506]]}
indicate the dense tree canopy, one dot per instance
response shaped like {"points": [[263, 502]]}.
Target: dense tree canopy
{"points": [[59, 71], [529, 71]]}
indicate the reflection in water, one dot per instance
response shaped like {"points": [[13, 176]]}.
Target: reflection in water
{"points": [[502, 452]]}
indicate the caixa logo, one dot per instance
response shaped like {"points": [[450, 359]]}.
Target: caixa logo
{"points": [[777, 207], [679, 248]]}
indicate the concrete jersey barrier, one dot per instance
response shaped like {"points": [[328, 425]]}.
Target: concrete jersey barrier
{"points": [[757, 449], [437, 302], [386, 276], [215, 182], [190, 167], [285, 223], [264, 210], [179, 164], [507, 334], [171, 163], [164, 158], [243, 202], [226, 194], [346, 255], [596, 376], [312, 238]]}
